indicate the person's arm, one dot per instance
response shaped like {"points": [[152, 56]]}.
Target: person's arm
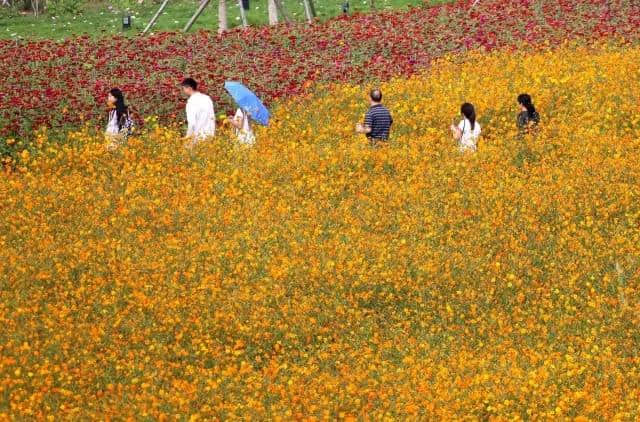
{"points": [[237, 120], [366, 127], [456, 131], [191, 120], [522, 121], [213, 116]]}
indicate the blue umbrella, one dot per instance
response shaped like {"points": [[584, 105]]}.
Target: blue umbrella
{"points": [[248, 101]]}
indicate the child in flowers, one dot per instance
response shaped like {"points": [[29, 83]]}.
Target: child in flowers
{"points": [[468, 130], [119, 122]]}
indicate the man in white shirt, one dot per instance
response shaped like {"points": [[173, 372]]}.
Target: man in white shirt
{"points": [[201, 119]]}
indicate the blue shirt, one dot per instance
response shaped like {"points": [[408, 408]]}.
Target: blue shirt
{"points": [[379, 120]]}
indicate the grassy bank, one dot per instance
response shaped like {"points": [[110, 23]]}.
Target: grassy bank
{"points": [[101, 19]]}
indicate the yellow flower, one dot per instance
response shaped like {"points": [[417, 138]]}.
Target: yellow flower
{"points": [[312, 277]]}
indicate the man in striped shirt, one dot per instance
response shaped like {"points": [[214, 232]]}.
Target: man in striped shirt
{"points": [[377, 121]]}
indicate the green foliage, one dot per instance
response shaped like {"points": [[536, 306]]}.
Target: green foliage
{"points": [[123, 5], [65, 7], [99, 18]]}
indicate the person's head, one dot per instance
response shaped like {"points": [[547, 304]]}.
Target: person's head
{"points": [[189, 86], [376, 96], [469, 113], [116, 100], [526, 104], [116, 97]]}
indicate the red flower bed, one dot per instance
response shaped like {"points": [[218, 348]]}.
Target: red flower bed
{"points": [[64, 84]]}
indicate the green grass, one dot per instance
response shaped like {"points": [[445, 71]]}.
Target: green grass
{"points": [[98, 19]]}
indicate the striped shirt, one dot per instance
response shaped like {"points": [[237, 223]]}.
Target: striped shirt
{"points": [[379, 120]]}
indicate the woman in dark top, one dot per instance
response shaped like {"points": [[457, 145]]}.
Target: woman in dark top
{"points": [[528, 117]]}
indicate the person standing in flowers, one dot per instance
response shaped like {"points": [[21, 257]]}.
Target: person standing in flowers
{"points": [[377, 121], [119, 124], [242, 124], [468, 130], [201, 119], [528, 118]]}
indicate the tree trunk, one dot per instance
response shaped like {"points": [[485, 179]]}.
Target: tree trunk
{"points": [[223, 23], [313, 8], [281, 11], [307, 11], [243, 15], [273, 12]]}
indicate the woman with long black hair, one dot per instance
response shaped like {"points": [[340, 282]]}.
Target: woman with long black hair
{"points": [[528, 118], [468, 130], [119, 123]]}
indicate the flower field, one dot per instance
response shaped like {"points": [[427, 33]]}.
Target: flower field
{"points": [[62, 85], [312, 277]]}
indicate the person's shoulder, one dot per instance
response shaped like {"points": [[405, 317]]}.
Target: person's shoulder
{"points": [[378, 108]]}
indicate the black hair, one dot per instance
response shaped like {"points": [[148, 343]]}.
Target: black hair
{"points": [[190, 82], [469, 112], [121, 108], [525, 101], [376, 95]]}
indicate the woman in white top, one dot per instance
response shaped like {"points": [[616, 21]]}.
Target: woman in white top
{"points": [[468, 130], [242, 123], [119, 122]]}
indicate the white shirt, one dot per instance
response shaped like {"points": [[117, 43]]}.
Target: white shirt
{"points": [[112, 126], [469, 138], [201, 119], [245, 134]]}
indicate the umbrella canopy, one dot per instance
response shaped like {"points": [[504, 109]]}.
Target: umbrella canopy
{"points": [[248, 101]]}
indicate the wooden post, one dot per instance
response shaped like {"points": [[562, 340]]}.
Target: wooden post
{"points": [[196, 15], [243, 15], [155, 17]]}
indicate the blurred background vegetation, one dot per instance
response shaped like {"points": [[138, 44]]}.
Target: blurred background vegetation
{"points": [[59, 19]]}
